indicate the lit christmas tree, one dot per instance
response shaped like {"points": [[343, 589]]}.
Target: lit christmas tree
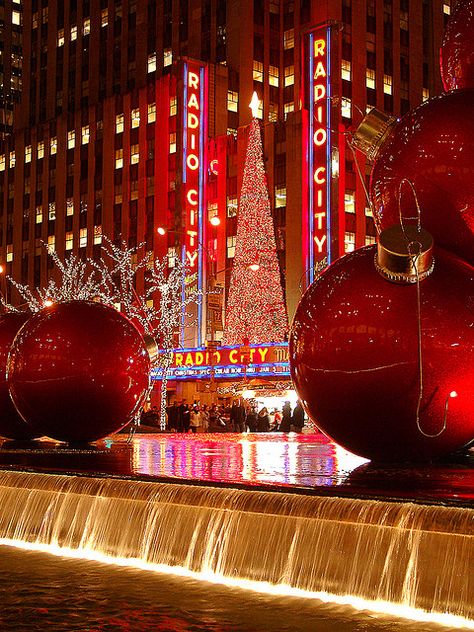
{"points": [[255, 309]]}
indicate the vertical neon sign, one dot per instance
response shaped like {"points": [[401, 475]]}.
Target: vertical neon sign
{"points": [[194, 134], [318, 152]]}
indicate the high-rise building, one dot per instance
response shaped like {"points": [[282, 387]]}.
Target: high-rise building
{"points": [[10, 62], [134, 116]]}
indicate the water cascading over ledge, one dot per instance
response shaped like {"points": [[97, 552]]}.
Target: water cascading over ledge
{"points": [[414, 555]]}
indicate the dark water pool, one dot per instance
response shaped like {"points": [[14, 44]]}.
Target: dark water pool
{"points": [[42, 592]]}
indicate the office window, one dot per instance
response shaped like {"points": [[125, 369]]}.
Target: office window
{"points": [[69, 240], [258, 70], [53, 145], [231, 207], [86, 26], [151, 112], [51, 243], [151, 62], [16, 18], [97, 235], [83, 238], [273, 112], [28, 153], [9, 253], [119, 123], [167, 57], [12, 161], [346, 108], [425, 94], [387, 84], [289, 75], [85, 134], [73, 33], [280, 197], [60, 37], [349, 242], [346, 70], [39, 214], [212, 210], [134, 155], [118, 158], [273, 76], [349, 202], [289, 39], [173, 106], [370, 78], [232, 101], [447, 7], [2, 162], [52, 211], [173, 143], [231, 241], [104, 17], [288, 107], [71, 139], [69, 207], [135, 118], [369, 240]]}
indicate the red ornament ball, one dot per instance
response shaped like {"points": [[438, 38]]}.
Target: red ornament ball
{"points": [[12, 426], [78, 371], [354, 358], [433, 147], [457, 49]]}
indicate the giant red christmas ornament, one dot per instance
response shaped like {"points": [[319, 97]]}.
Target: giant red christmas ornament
{"points": [[457, 49], [433, 148], [78, 371], [12, 425], [355, 357]]}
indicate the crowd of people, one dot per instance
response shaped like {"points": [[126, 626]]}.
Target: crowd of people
{"points": [[241, 416]]}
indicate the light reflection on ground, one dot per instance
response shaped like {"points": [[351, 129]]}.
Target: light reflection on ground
{"points": [[293, 461]]}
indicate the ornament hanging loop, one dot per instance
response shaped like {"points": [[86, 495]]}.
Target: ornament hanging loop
{"points": [[415, 249]]}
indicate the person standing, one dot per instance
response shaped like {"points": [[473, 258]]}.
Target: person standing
{"points": [[251, 419], [263, 421], [237, 416], [195, 419], [173, 417], [285, 425], [297, 418]]}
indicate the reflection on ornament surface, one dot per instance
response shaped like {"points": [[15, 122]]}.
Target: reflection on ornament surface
{"points": [[12, 425], [354, 358], [457, 49], [78, 371], [432, 147]]}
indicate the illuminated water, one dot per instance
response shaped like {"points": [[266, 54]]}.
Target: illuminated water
{"points": [[40, 592]]}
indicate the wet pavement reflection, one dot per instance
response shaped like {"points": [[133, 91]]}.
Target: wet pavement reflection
{"points": [[309, 463]]}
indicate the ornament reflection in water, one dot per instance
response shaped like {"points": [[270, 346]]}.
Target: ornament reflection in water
{"points": [[356, 345]]}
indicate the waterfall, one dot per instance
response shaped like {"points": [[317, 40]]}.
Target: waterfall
{"points": [[418, 556]]}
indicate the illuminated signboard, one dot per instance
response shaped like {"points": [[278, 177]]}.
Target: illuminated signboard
{"points": [[194, 166], [317, 210], [229, 362]]}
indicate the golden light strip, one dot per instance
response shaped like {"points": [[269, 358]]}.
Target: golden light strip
{"points": [[359, 604]]}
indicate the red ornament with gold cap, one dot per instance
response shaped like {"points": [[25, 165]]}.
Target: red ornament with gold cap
{"points": [[432, 147], [78, 371], [382, 349], [457, 49]]}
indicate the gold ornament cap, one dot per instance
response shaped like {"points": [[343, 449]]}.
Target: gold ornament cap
{"points": [[372, 133], [152, 347], [404, 254]]}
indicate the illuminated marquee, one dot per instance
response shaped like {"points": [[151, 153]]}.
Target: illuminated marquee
{"points": [[271, 359], [318, 151], [194, 134]]}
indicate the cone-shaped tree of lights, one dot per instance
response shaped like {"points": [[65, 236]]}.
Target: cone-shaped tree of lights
{"points": [[255, 309]]}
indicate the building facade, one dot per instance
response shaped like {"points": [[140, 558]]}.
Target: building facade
{"points": [[133, 116]]}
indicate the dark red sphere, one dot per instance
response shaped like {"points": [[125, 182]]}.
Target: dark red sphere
{"points": [[457, 49], [433, 147], [78, 371], [12, 426], [354, 358]]}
